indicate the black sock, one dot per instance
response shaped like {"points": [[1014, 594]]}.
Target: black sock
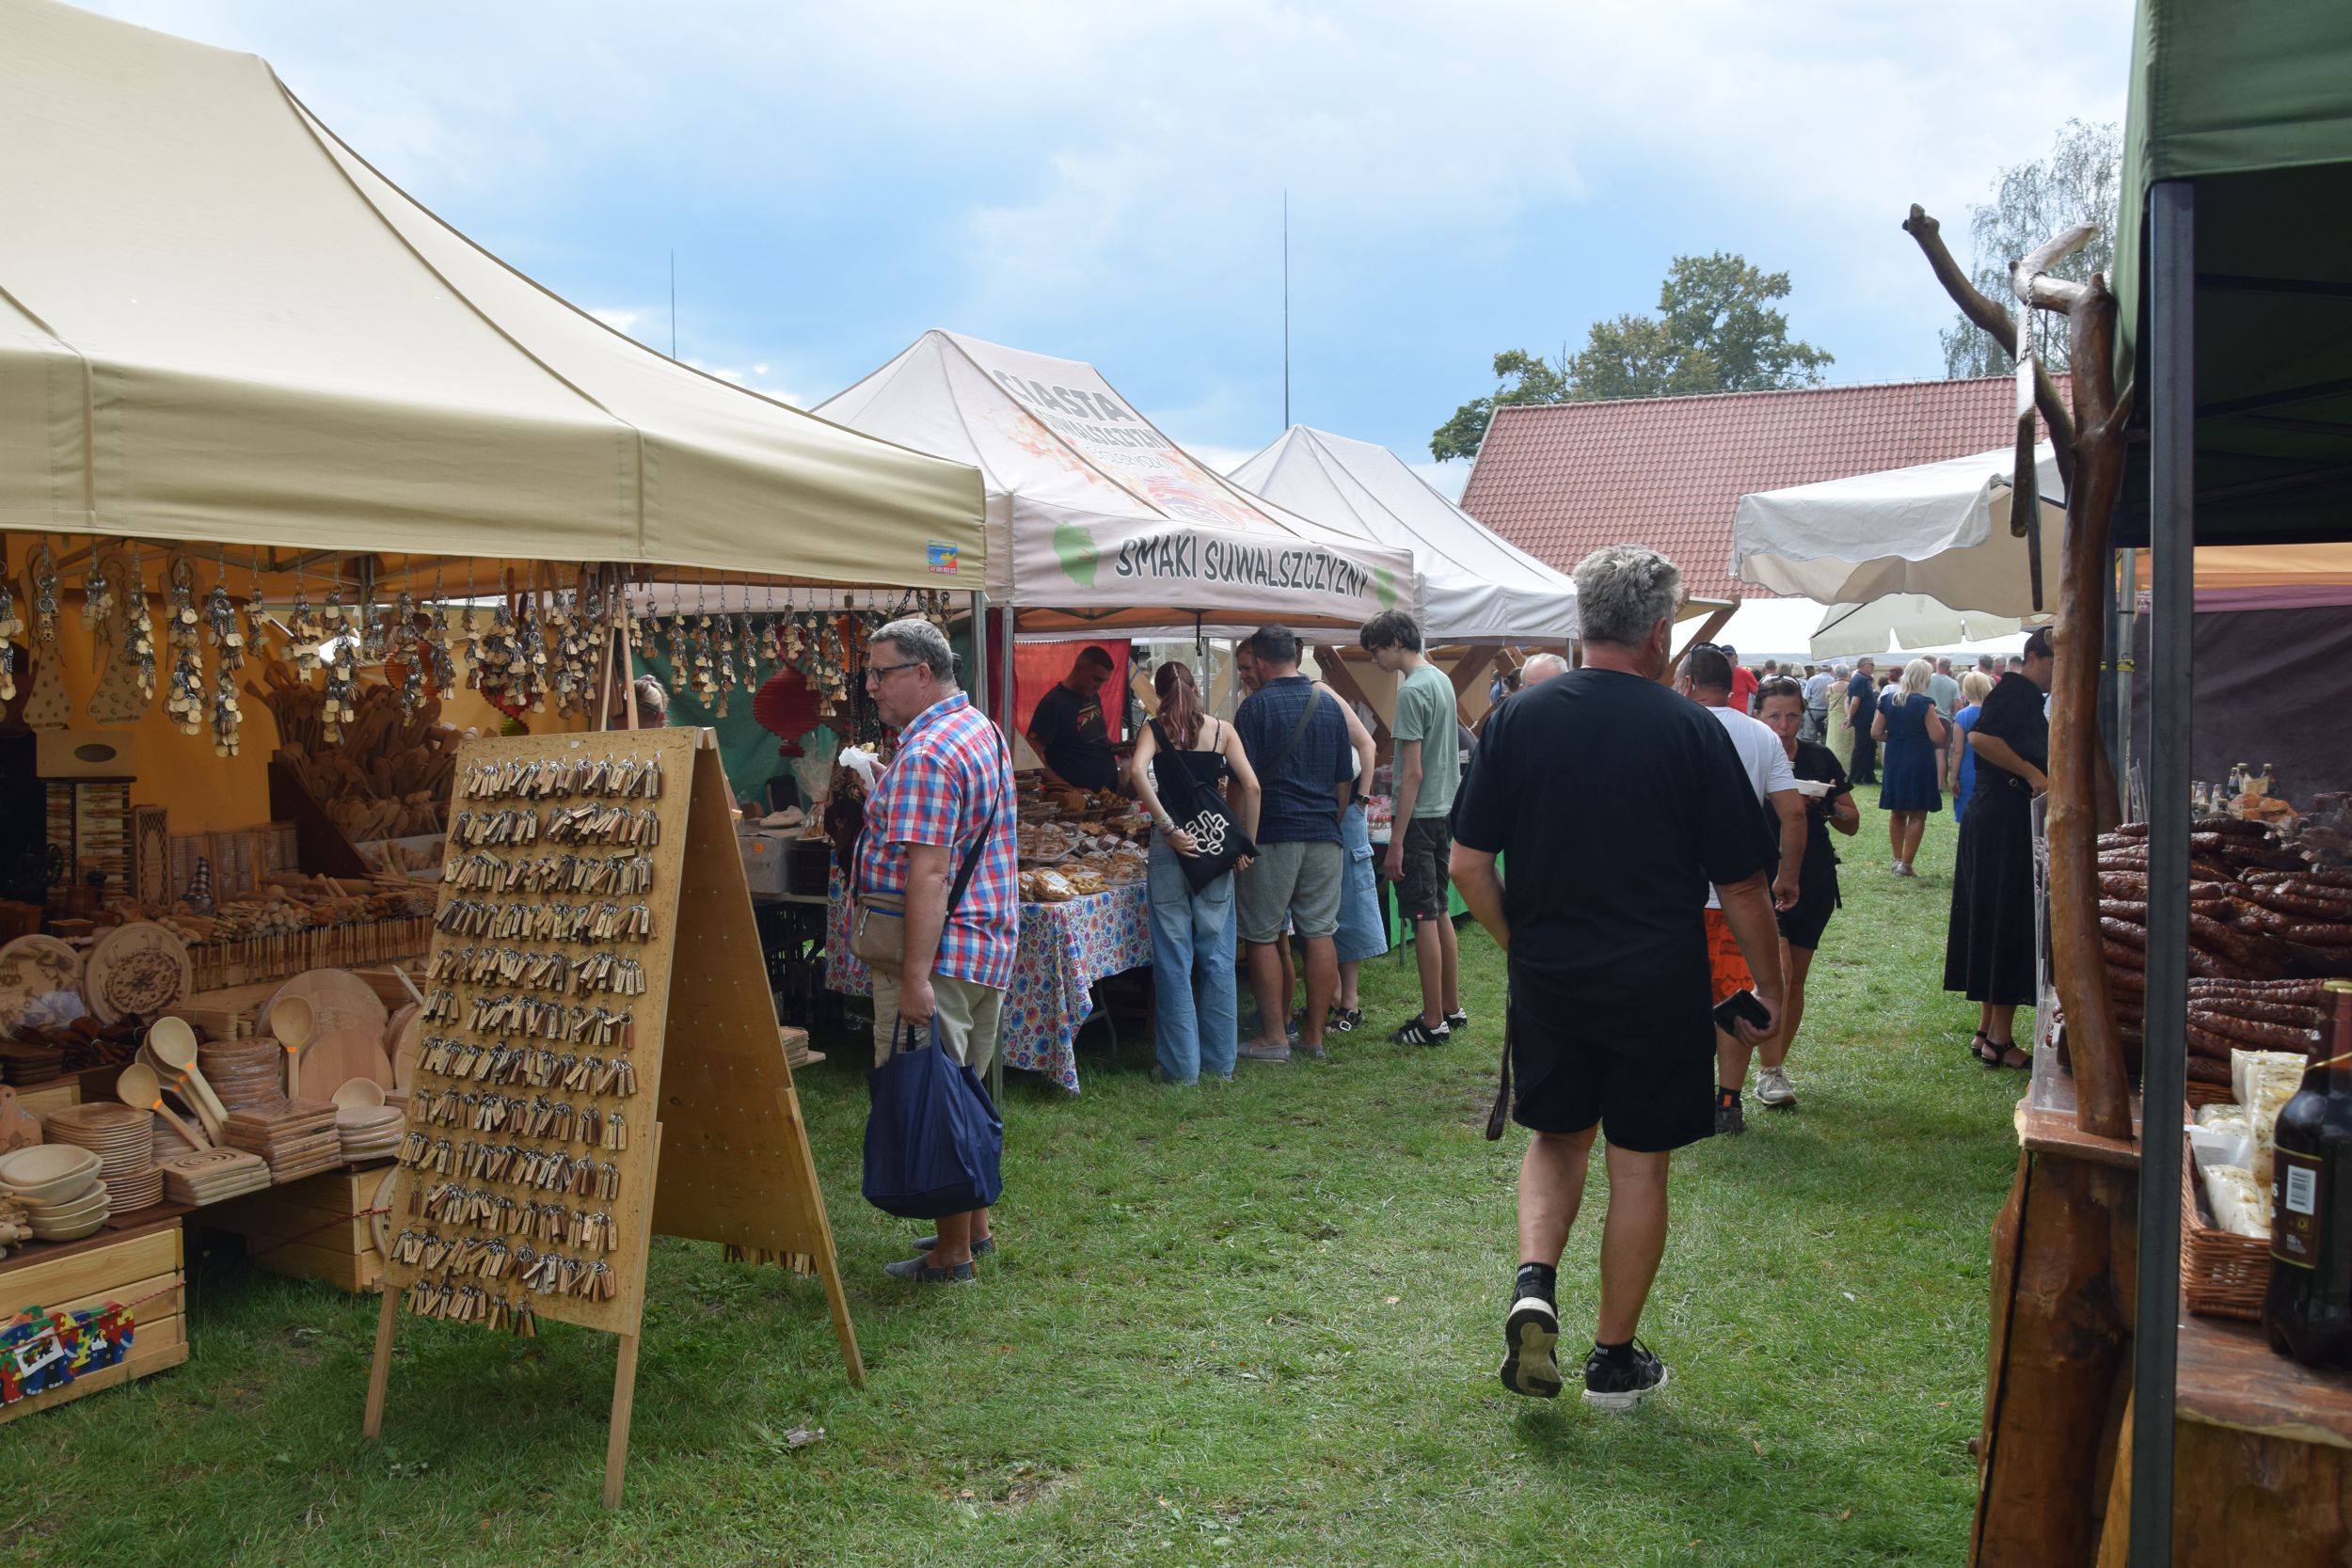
{"points": [[1726, 1097], [1540, 1280], [1613, 1353]]}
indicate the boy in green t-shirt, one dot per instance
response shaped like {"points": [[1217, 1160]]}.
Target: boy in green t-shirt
{"points": [[1428, 770]]}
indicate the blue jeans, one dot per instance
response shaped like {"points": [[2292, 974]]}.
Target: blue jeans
{"points": [[1192, 949], [1360, 935]]}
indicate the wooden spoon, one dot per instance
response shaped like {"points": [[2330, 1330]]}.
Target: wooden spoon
{"points": [[292, 1021], [178, 1082], [174, 1045], [139, 1088]]}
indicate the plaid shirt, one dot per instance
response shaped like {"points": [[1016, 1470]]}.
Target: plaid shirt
{"points": [[1299, 804], [950, 772]]}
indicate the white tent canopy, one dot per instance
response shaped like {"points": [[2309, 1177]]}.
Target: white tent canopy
{"points": [[217, 322], [1095, 518], [1475, 586], [1940, 530]]}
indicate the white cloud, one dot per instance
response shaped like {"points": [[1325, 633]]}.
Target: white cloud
{"points": [[620, 321]]}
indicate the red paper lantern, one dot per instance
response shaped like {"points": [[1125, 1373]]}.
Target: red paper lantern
{"points": [[785, 707]]}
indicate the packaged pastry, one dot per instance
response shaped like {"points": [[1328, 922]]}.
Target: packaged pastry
{"points": [[2229, 1121], [2265, 1081], [2240, 1205]]}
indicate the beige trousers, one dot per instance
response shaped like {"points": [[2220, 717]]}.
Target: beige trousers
{"points": [[971, 1018]]}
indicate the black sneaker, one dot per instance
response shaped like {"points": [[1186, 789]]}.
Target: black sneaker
{"points": [[1344, 1020], [1731, 1117], [1531, 1339], [1417, 1033], [1457, 1019], [1620, 1384]]}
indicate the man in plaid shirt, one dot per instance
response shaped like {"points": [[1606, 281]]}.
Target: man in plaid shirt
{"points": [[945, 799]]}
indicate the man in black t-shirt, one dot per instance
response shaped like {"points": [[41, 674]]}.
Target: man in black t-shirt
{"points": [[1612, 803], [1067, 731]]}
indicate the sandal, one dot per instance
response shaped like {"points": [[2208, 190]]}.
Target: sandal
{"points": [[2012, 1057], [1980, 1046]]}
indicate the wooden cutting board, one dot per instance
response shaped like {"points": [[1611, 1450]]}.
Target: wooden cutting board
{"points": [[348, 1039], [18, 1127], [402, 1037]]}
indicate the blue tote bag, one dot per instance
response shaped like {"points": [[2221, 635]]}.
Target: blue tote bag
{"points": [[935, 1144]]}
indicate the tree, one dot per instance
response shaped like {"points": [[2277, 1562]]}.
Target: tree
{"points": [[2078, 182], [1715, 331]]}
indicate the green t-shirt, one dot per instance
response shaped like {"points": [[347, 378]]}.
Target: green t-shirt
{"points": [[1424, 712]]}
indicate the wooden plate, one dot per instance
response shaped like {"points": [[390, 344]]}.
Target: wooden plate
{"points": [[32, 967], [347, 1038], [139, 968]]}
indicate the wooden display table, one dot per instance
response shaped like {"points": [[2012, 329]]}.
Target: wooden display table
{"points": [[136, 1257], [314, 1229]]}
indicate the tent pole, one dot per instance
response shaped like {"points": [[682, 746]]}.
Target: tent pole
{"points": [[2126, 670], [979, 649], [2171, 538], [1011, 727]]}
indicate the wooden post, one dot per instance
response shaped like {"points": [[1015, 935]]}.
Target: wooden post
{"points": [[625, 1364], [380, 1372]]}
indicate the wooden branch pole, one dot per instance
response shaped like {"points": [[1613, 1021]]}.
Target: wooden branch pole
{"points": [[2094, 1042], [1929, 235]]}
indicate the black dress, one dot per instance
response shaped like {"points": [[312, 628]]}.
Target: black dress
{"points": [[1989, 952]]}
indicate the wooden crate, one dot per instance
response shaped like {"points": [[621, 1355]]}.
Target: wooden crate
{"points": [[140, 1257], [56, 1095], [306, 1228]]}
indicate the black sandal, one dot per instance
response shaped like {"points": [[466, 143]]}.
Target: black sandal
{"points": [[2024, 1062], [1987, 1055]]}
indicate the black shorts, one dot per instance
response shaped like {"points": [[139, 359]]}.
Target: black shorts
{"points": [[1428, 860], [1645, 1101], [1803, 925]]}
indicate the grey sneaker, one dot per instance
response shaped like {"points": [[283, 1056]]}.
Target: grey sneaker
{"points": [[1773, 1088], [1257, 1051], [914, 1269], [1531, 1339], [1730, 1117]]}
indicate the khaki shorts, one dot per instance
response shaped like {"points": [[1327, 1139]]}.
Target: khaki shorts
{"points": [[971, 1018]]}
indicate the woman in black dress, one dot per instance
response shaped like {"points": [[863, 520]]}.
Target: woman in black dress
{"points": [[1989, 953]]}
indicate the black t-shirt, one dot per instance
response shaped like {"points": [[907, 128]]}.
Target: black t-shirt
{"points": [[1073, 739], [1613, 802], [1819, 765]]}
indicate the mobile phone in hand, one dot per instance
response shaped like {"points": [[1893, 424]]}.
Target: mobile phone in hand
{"points": [[1738, 1005]]}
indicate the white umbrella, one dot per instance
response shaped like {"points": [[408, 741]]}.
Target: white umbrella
{"points": [[1940, 530], [1899, 622]]}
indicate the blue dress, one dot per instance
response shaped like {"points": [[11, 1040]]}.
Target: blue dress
{"points": [[1966, 780], [1909, 777]]}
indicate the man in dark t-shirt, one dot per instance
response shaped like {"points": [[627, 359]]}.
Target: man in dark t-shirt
{"points": [[1612, 802], [1862, 702], [1067, 731]]}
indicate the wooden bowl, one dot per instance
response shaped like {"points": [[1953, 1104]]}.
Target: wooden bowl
{"points": [[48, 1173], [72, 1211], [73, 1232], [358, 1092]]}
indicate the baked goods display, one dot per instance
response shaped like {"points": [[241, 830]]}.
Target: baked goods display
{"points": [[1076, 843]]}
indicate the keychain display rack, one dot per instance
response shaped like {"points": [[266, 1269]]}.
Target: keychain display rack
{"points": [[600, 1060]]}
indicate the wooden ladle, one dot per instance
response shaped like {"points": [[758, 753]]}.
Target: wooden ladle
{"points": [[178, 1082], [141, 1088], [174, 1045], [292, 1021]]}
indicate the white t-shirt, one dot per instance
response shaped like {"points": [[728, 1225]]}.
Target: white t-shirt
{"points": [[1762, 755]]}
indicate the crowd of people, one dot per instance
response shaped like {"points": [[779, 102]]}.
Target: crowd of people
{"points": [[1654, 957]]}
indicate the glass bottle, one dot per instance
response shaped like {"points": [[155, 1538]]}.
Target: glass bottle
{"points": [[2307, 1310]]}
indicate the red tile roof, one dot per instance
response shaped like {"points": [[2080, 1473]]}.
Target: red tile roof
{"points": [[1560, 480]]}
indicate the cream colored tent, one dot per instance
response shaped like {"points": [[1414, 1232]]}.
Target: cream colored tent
{"points": [[219, 324]]}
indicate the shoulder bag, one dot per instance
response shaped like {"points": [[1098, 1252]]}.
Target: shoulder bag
{"points": [[934, 1143], [878, 925], [1203, 814]]}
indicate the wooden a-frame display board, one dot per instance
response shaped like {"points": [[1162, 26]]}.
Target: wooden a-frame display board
{"points": [[717, 1148]]}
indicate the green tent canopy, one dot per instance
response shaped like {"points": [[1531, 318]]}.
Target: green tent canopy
{"points": [[2252, 101]]}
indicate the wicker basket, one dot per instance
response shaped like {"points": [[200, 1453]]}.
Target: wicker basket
{"points": [[2222, 1275]]}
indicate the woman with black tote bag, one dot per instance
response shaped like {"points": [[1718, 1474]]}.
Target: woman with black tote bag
{"points": [[1192, 775]]}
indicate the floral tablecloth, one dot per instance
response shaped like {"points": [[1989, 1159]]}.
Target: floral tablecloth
{"points": [[1064, 949]]}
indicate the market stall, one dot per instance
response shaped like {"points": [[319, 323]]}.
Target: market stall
{"points": [[1101, 527], [300, 494], [2132, 1411]]}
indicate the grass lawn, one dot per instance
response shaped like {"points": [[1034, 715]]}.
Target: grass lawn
{"points": [[1255, 1322]]}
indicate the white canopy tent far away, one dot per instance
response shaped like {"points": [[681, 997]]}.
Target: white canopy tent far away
{"points": [[1098, 521], [1909, 558], [1476, 587]]}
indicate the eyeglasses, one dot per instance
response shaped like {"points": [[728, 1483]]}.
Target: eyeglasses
{"points": [[875, 671]]}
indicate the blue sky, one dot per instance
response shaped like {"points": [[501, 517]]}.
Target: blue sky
{"points": [[1103, 180]]}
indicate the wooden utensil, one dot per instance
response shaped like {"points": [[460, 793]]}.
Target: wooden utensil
{"points": [[173, 1043], [138, 1087], [347, 1041], [358, 1092], [177, 1082], [292, 1021]]}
